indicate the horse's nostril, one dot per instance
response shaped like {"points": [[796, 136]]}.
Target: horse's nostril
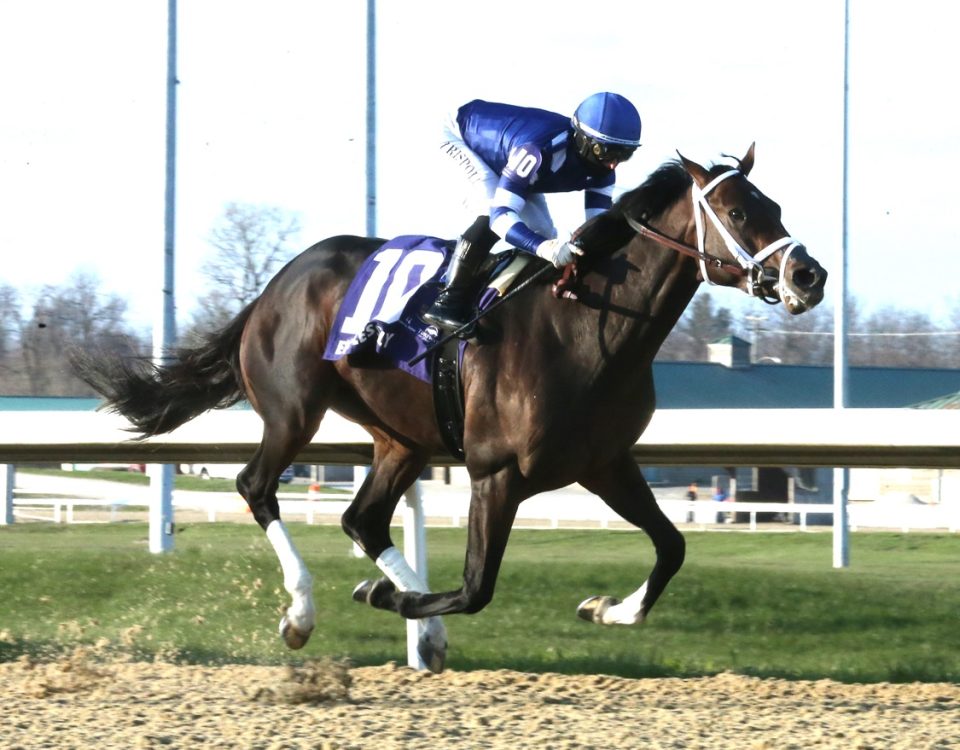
{"points": [[806, 278]]}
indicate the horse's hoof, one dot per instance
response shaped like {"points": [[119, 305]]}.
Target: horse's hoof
{"points": [[292, 636], [378, 593], [432, 654], [593, 608], [362, 592]]}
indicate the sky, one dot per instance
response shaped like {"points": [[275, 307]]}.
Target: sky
{"points": [[272, 111]]}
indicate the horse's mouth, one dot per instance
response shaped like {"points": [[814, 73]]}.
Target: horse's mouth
{"points": [[801, 302], [803, 287]]}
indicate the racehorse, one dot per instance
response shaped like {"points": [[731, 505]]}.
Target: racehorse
{"points": [[558, 392]]}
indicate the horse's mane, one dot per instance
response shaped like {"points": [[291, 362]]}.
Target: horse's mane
{"points": [[659, 191], [609, 231]]}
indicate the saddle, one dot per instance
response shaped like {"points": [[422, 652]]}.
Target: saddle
{"points": [[497, 275], [379, 324]]}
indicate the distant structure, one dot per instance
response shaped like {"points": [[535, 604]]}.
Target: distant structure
{"points": [[730, 351]]}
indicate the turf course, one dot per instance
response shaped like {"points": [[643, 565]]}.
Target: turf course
{"points": [[761, 604]]}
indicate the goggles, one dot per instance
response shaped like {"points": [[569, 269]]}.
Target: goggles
{"points": [[612, 152]]}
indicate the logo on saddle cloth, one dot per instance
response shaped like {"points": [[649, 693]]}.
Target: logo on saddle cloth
{"points": [[380, 313]]}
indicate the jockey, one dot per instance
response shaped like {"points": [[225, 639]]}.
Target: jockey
{"points": [[509, 157]]}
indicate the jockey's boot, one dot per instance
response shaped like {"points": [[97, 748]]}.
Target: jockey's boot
{"points": [[453, 307]]}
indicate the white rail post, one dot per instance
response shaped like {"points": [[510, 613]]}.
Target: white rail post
{"points": [[841, 518], [415, 552], [160, 511], [7, 475]]}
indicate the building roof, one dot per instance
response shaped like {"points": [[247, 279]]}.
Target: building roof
{"points": [[705, 385], [731, 339], [950, 401], [47, 403]]}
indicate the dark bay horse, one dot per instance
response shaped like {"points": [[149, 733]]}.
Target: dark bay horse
{"points": [[558, 395]]}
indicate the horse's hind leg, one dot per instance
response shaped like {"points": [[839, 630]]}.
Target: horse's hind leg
{"points": [[290, 419], [367, 521], [621, 486], [257, 483]]}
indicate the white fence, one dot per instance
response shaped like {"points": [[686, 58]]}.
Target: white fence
{"points": [[919, 438], [790, 437], [444, 506]]}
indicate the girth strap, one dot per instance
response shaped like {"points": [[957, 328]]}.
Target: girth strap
{"points": [[448, 396]]}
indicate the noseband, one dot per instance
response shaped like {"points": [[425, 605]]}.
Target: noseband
{"points": [[751, 264], [747, 266]]}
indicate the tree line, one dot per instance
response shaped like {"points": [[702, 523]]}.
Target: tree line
{"points": [[888, 337], [249, 243]]}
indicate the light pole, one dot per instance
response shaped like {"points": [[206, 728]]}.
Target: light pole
{"points": [[164, 328]]}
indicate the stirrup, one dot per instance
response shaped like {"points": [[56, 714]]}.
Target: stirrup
{"points": [[450, 320]]}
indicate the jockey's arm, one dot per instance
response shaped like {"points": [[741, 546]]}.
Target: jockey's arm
{"points": [[505, 220], [511, 196]]}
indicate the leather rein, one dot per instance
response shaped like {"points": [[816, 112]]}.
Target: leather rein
{"points": [[644, 231]]}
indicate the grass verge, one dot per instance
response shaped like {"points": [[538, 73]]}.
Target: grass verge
{"points": [[760, 604]]}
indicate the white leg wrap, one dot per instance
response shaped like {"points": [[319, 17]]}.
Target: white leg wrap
{"points": [[296, 578], [395, 567], [627, 612], [398, 570]]}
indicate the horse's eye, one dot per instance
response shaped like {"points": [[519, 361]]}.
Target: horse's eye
{"points": [[737, 214]]}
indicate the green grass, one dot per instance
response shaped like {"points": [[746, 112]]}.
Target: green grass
{"points": [[762, 604], [180, 482]]}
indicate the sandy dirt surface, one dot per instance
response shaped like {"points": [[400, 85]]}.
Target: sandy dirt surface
{"points": [[82, 703]]}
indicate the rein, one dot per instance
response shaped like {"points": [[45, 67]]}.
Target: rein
{"points": [[644, 231]]}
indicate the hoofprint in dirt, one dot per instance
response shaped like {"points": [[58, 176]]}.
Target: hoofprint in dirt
{"points": [[79, 703]]}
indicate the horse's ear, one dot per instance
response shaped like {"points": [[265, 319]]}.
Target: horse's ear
{"points": [[746, 163], [698, 173]]}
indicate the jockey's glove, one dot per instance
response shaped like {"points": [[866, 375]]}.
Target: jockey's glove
{"points": [[559, 252]]}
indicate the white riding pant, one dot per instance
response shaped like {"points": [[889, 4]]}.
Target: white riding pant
{"points": [[467, 174]]}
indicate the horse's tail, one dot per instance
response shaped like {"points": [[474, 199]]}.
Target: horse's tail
{"points": [[158, 399]]}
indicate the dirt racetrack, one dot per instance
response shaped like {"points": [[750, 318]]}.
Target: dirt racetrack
{"points": [[79, 703]]}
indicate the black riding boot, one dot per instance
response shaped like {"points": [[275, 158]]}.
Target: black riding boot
{"points": [[453, 307]]}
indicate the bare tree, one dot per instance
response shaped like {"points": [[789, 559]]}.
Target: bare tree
{"points": [[9, 323], [791, 339], [892, 337], [700, 325], [250, 243], [954, 316], [888, 337], [75, 315]]}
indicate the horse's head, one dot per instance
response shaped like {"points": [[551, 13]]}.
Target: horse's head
{"points": [[734, 219]]}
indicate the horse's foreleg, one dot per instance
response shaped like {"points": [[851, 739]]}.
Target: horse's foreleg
{"points": [[400, 577], [621, 486], [367, 522]]}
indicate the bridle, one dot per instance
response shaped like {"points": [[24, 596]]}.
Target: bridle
{"points": [[749, 266]]}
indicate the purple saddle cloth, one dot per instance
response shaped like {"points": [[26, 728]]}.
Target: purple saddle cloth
{"points": [[380, 313]]}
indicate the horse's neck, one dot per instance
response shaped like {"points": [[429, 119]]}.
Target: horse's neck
{"points": [[658, 284]]}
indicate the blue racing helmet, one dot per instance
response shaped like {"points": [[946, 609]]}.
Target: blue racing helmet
{"points": [[606, 129]]}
